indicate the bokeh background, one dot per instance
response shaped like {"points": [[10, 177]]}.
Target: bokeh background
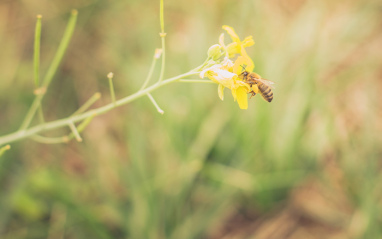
{"points": [[307, 165]]}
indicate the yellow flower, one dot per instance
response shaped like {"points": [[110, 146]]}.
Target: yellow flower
{"points": [[237, 46], [224, 75]]}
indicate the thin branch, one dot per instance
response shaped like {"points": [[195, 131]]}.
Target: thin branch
{"points": [[157, 54], [161, 16], [155, 103], [4, 148], [98, 111], [85, 123], [62, 139], [36, 52], [52, 69], [111, 86], [41, 115], [75, 132], [162, 34], [61, 48], [88, 103]]}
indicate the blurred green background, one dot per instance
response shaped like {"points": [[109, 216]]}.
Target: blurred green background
{"points": [[307, 165]]}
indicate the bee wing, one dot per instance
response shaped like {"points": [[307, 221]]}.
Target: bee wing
{"points": [[267, 82]]}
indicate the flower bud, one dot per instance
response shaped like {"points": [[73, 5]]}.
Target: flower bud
{"points": [[215, 52]]}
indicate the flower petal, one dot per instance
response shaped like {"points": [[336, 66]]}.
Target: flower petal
{"points": [[240, 65], [220, 76], [221, 91], [242, 99], [233, 49], [221, 40], [227, 64], [203, 73], [248, 60], [224, 77], [248, 41], [232, 33], [209, 70]]}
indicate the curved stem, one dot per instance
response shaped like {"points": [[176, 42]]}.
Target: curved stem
{"points": [[149, 75], [22, 134]]}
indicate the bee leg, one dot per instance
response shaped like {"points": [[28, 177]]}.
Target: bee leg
{"points": [[252, 94]]}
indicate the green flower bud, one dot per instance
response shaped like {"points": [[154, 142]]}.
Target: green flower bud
{"points": [[215, 52]]}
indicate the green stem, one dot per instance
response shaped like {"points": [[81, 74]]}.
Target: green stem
{"points": [[76, 118], [61, 48], [4, 148], [149, 75], [163, 58], [162, 35], [36, 52], [75, 132], [111, 86], [52, 69], [88, 103], [62, 139], [161, 16], [32, 110], [41, 115], [197, 81], [155, 103]]}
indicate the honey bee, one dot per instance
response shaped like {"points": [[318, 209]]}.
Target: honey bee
{"points": [[258, 84]]}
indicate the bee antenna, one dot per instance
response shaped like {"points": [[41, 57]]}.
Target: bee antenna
{"points": [[243, 66]]}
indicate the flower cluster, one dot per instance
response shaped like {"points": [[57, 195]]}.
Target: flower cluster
{"points": [[225, 72]]}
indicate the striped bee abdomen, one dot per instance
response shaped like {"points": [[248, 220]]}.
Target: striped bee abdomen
{"points": [[266, 92]]}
